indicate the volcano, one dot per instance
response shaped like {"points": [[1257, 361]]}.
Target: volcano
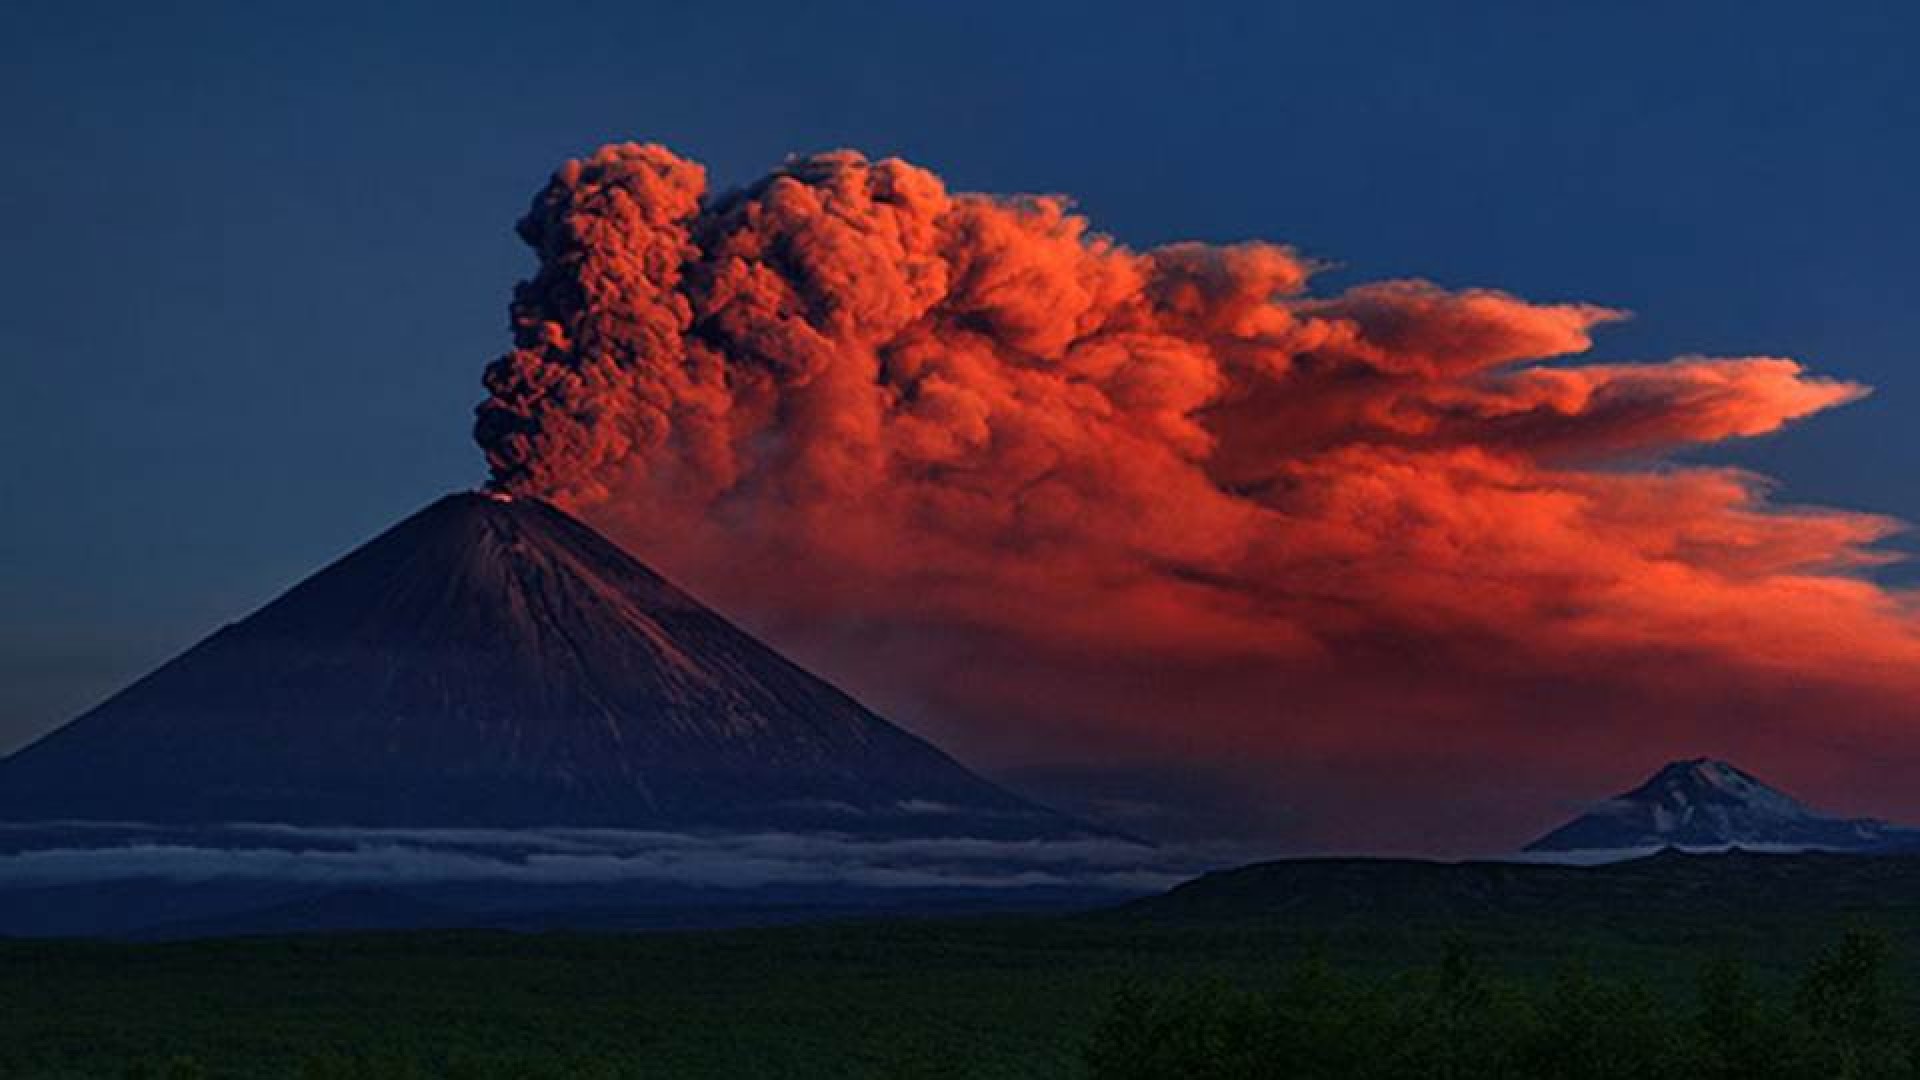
{"points": [[1704, 804], [494, 662]]}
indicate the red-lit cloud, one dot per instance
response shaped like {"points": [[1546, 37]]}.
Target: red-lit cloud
{"points": [[1053, 500]]}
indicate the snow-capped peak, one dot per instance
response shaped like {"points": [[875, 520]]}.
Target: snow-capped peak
{"points": [[1705, 804], [1700, 782]]}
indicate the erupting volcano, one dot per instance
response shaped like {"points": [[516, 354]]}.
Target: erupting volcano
{"points": [[492, 661]]}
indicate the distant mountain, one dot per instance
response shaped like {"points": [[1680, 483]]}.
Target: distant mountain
{"points": [[489, 662], [1706, 804]]}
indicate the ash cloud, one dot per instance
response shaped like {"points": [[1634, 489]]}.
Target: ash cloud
{"points": [[1044, 496]]}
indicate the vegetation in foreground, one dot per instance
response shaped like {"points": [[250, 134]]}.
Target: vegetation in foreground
{"points": [[1842, 1021], [1094, 997]]}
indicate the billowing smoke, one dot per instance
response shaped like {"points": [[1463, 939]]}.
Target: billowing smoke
{"points": [[1055, 501]]}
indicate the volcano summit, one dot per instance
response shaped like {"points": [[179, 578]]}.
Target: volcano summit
{"points": [[489, 662], [1703, 804]]}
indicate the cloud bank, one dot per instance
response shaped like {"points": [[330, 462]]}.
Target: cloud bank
{"points": [[74, 853], [1051, 499]]}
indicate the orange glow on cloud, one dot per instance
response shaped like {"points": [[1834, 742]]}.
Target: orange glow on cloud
{"points": [[1050, 499]]}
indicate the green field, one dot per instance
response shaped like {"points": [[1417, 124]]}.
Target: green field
{"points": [[1000, 997]]}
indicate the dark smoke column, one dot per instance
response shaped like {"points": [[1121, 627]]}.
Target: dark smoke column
{"points": [[599, 332]]}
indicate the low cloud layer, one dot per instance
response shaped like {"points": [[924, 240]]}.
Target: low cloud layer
{"points": [[1381, 560], [75, 853]]}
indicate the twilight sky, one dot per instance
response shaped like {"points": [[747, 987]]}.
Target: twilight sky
{"points": [[261, 258]]}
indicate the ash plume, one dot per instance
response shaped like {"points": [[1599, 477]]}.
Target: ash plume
{"points": [[1039, 492]]}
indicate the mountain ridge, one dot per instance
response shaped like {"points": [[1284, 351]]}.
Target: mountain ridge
{"points": [[1670, 884]]}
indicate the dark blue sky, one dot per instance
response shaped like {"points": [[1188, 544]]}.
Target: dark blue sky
{"points": [[257, 255]]}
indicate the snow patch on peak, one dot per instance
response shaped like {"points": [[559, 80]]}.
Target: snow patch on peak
{"points": [[1703, 803], [1705, 782]]}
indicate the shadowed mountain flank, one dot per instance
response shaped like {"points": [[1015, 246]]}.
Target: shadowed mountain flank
{"points": [[497, 662]]}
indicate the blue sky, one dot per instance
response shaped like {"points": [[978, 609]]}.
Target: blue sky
{"points": [[258, 254]]}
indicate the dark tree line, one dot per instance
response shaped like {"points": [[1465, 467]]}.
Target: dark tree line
{"points": [[1842, 1020]]}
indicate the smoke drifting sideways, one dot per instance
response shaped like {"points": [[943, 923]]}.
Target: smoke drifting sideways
{"points": [[1375, 561]]}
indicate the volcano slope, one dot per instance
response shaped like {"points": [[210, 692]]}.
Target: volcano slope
{"points": [[493, 662]]}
